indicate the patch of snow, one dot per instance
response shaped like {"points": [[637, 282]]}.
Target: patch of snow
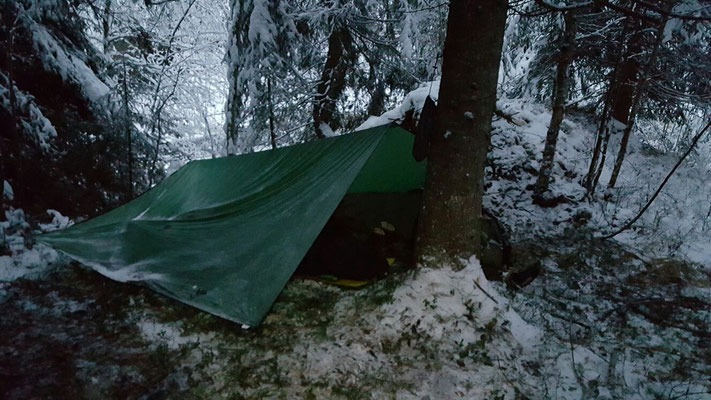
{"points": [[34, 123], [326, 130], [7, 191], [438, 296], [25, 259], [70, 66], [457, 316], [616, 126], [31, 259], [414, 100], [406, 37], [170, 334], [8, 270], [59, 221], [126, 273], [676, 224]]}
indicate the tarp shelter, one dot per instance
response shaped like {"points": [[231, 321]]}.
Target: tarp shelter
{"points": [[225, 235]]}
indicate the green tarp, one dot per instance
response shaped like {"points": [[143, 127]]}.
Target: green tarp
{"points": [[225, 235]]}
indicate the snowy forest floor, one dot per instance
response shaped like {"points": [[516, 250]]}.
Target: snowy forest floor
{"points": [[629, 318]]}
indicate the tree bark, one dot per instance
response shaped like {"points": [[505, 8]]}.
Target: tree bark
{"points": [[106, 26], [639, 90], [238, 42], [627, 81], [377, 90], [603, 132], [449, 225], [333, 78], [565, 57], [601, 166], [272, 129], [599, 139], [627, 74]]}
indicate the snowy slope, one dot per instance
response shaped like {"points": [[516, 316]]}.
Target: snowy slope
{"points": [[604, 320], [678, 223]]}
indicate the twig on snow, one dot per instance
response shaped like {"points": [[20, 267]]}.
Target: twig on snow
{"points": [[484, 291]]}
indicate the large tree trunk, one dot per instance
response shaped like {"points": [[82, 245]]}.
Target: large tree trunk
{"points": [[567, 52], [333, 78], [106, 26], [238, 41], [449, 227], [627, 81], [627, 71]]}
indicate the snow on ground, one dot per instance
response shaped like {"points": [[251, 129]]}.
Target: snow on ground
{"points": [[617, 319], [22, 258], [439, 336], [678, 224], [442, 333], [169, 334]]}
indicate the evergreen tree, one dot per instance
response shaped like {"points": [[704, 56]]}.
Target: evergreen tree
{"points": [[449, 227]]}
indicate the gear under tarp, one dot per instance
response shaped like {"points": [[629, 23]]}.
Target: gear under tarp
{"points": [[225, 235]]}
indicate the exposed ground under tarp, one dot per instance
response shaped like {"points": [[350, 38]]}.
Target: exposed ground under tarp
{"points": [[225, 235], [368, 235]]}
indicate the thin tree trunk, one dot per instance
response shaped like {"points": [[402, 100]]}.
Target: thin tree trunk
{"points": [[603, 136], [272, 131], [565, 58], [603, 132], [333, 78], [588, 181], [601, 166], [2, 180], [203, 111], [638, 94], [106, 25], [152, 171], [449, 225], [661, 186], [156, 125], [127, 128]]}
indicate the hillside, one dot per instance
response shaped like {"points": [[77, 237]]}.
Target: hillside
{"points": [[625, 318]]}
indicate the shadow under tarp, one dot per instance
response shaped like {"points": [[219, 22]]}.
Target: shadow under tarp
{"points": [[368, 235]]}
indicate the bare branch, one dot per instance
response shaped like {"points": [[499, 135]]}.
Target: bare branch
{"points": [[659, 189]]}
